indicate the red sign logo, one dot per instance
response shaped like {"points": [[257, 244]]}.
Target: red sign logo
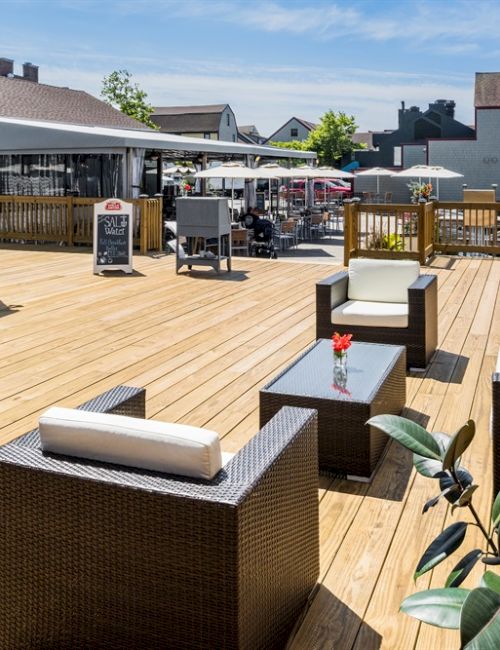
{"points": [[113, 205]]}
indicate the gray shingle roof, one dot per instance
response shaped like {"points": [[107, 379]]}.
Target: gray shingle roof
{"points": [[487, 90], [188, 119], [33, 101], [182, 110]]}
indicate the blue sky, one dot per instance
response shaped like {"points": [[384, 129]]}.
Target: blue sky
{"points": [[268, 59]]}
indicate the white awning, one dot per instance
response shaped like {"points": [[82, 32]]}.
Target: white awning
{"points": [[18, 136]]}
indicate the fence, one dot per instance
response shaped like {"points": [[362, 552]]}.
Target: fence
{"points": [[417, 231], [69, 220]]}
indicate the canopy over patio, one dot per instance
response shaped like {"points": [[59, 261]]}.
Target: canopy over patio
{"points": [[30, 136]]}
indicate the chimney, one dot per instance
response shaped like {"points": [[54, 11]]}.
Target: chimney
{"points": [[30, 72], [6, 67]]}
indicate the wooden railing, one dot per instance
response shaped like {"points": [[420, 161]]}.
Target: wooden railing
{"points": [[467, 227], [417, 231], [69, 220], [392, 231]]}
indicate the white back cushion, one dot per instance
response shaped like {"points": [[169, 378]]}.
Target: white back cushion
{"points": [[173, 448], [381, 280]]}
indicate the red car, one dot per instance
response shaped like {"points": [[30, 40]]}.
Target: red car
{"points": [[322, 187]]}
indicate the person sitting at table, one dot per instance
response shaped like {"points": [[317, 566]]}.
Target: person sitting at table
{"points": [[249, 218]]}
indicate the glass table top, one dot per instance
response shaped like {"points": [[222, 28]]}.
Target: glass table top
{"points": [[313, 374]]}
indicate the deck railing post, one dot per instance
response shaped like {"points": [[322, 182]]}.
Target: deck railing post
{"points": [[421, 236], [349, 216], [69, 220], [144, 217]]}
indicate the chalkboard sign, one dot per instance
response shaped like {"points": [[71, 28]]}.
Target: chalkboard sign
{"points": [[113, 225]]}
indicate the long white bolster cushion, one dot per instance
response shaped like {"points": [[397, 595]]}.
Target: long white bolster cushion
{"points": [[149, 444], [371, 314], [381, 280]]}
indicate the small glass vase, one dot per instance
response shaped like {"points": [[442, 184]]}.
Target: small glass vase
{"points": [[340, 360]]}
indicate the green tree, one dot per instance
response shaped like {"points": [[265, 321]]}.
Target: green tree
{"points": [[119, 91], [332, 139]]}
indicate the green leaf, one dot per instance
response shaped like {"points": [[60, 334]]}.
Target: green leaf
{"points": [[410, 434], [447, 481], [443, 546], [459, 443], [495, 511], [432, 502], [439, 607], [492, 560], [463, 568], [491, 581], [480, 620], [427, 466], [466, 496]]}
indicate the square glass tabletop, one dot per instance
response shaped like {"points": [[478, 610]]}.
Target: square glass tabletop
{"points": [[313, 375]]}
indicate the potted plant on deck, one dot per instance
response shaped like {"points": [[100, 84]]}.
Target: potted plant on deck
{"points": [[475, 612]]}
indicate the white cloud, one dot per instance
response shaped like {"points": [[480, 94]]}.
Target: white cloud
{"points": [[271, 97]]}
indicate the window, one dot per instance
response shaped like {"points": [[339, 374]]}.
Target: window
{"points": [[206, 136], [294, 133], [397, 157], [234, 138], [228, 119]]}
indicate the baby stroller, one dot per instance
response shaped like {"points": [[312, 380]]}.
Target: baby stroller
{"points": [[261, 243]]}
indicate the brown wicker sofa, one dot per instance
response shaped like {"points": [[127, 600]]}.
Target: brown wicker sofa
{"points": [[495, 426], [101, 556], [420, 334]]}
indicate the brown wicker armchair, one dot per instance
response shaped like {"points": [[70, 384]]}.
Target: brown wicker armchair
{"points": [[101, 556], [419, 335]]}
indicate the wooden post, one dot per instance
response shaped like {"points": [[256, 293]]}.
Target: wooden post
{"points": [[69, 220], [204, 165], [421, 234], [349, 217], [144, 216]]}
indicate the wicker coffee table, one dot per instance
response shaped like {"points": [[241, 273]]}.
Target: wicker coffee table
{"points": [[374, 383]]}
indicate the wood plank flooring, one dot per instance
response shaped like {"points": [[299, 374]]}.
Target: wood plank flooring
{"points": [[203, 346]]}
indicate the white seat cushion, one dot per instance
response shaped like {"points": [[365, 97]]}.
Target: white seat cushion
{"points": [[497, 369], [381, 280], [371, 314], [149, 444]]}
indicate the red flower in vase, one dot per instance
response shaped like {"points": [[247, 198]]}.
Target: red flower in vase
{"points": [[341, 343]]}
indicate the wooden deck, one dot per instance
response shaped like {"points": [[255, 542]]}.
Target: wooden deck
{"points": [[203, 345]]}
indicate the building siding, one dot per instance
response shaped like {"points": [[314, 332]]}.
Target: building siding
{"points": [[228, 133], [284, 134]]}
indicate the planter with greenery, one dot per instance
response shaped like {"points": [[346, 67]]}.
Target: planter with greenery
{"points": [[475, 612]]}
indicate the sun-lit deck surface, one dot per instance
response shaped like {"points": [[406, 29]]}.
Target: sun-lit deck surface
{"points": [[203, 346]]}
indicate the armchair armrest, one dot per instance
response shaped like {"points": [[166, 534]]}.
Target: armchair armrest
{"points": [[330, 293], [423, 315]]}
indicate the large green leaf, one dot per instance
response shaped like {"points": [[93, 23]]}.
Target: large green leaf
{"points": [[447, 481], [443, 546], [480, 620], [495, 511], [432, 502], [459, 443], [410, 434], [427, 466], [491, 581], [463, 568], [439, 607]]}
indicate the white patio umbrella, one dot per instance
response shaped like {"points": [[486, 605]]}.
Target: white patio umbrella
{"points": [[333, 172], [429, 171], [230, 170], [378, 172], [176, 170]]}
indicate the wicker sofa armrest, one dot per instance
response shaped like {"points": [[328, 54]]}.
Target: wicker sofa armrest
{"points": [[330, 293], [495, 430]]}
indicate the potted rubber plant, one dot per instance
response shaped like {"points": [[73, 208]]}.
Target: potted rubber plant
{"points": [[474, 611]]}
